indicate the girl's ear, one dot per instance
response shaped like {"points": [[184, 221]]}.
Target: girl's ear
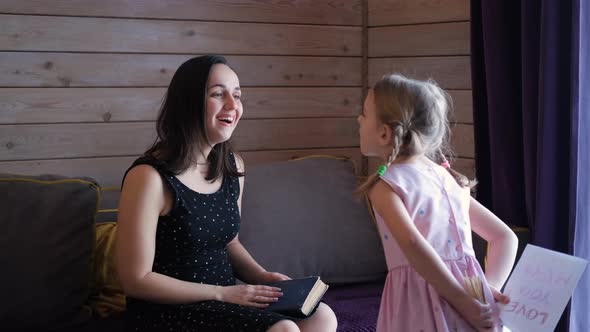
{"points": [[385, 135]]}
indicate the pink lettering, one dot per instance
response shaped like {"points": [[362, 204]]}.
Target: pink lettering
{"points": [[530, 314], [512, 306], [544, 314], [545, 275], [562, 280], [521, 310]]}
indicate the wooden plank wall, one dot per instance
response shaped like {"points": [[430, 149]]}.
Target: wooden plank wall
{"points": [[81, 80], [427, 39]]}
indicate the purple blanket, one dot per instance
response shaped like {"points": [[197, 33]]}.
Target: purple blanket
{"points": [[355, 306]]}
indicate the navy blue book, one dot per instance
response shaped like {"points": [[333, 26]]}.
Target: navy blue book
{"points": [[300, 296]]}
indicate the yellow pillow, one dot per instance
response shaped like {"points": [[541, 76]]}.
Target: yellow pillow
{"points": [[106, 297]]}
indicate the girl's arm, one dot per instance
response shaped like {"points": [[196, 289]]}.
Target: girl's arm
{"points": [[501, 239], [143, 200], [243, 264], [423, 258]]}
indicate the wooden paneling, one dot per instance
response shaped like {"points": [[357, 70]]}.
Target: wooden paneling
{"points": [[301, 102], [420, 40], [84, 34], [261, 157], [23, 142], [450, 72], [81, 82], [462, 106], [341, 12], [146, 70], [427, 39], [462, 141], [108, 171], [466, 166], [390, 12], [67, 105], [462, 145], [296, 134]]}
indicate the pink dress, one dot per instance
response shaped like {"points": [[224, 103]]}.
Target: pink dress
{"points": [[439, 208]]}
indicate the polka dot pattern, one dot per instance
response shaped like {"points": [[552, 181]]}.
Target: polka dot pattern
{"points": [[191, 246]]}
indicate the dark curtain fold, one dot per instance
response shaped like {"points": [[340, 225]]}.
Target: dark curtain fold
{"points": [[524, 73]]}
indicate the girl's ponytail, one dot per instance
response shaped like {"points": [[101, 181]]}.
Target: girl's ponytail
{"points": [[461, 179]]}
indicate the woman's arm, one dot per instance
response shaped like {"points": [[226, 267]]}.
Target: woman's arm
{"points": [[143, 200], [502, 242], [423, 258], [243, 264]]}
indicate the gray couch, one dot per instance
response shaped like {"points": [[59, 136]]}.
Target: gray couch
{"points": [[298, 217]]}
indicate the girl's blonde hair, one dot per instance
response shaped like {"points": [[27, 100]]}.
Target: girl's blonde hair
{"points": [[417, 112]]}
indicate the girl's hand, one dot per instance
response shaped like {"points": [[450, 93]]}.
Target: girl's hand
{"points": [[266, 276], [499, 296], [478, 314], [257, 296]]}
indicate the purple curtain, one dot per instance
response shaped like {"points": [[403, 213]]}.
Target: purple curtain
{"points": [[526, 66], [579, 321]]}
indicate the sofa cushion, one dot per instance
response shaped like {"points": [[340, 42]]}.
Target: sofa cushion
{"points": [[109, 204], [46, 236], [106, 295], [300, 218]]}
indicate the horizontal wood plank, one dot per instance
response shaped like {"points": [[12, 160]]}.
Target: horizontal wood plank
{"points": [[462, 144], [389, 12], [86, 34], [450, 72], [296, 134], [420, 40], [29, 142], [29, 69], [465, 166], [462, 141], [301, 102], [108, 171], [68, 105], [341, 12], [462, 106]]}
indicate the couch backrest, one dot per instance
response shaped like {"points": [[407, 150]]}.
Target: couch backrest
{"points": [[301, 218], [46, 241]]}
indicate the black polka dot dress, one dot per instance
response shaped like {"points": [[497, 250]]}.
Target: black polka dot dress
{"points": [[191, 245]]}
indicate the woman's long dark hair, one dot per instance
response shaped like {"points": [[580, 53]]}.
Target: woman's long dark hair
{"points": [[181, 123]]}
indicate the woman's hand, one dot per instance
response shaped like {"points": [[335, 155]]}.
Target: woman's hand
{"points": [[258, 296], [265, 277], [478, 314]]}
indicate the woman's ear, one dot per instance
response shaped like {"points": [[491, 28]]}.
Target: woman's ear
{"points": [[385, 135]]}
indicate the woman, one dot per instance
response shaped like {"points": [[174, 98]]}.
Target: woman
{"points": [[178, 251]]}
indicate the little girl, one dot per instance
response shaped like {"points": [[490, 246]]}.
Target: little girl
{"points": [[425, 215]]}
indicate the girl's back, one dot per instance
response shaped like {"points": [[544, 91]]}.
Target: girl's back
{"points": [[439, 208]]}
